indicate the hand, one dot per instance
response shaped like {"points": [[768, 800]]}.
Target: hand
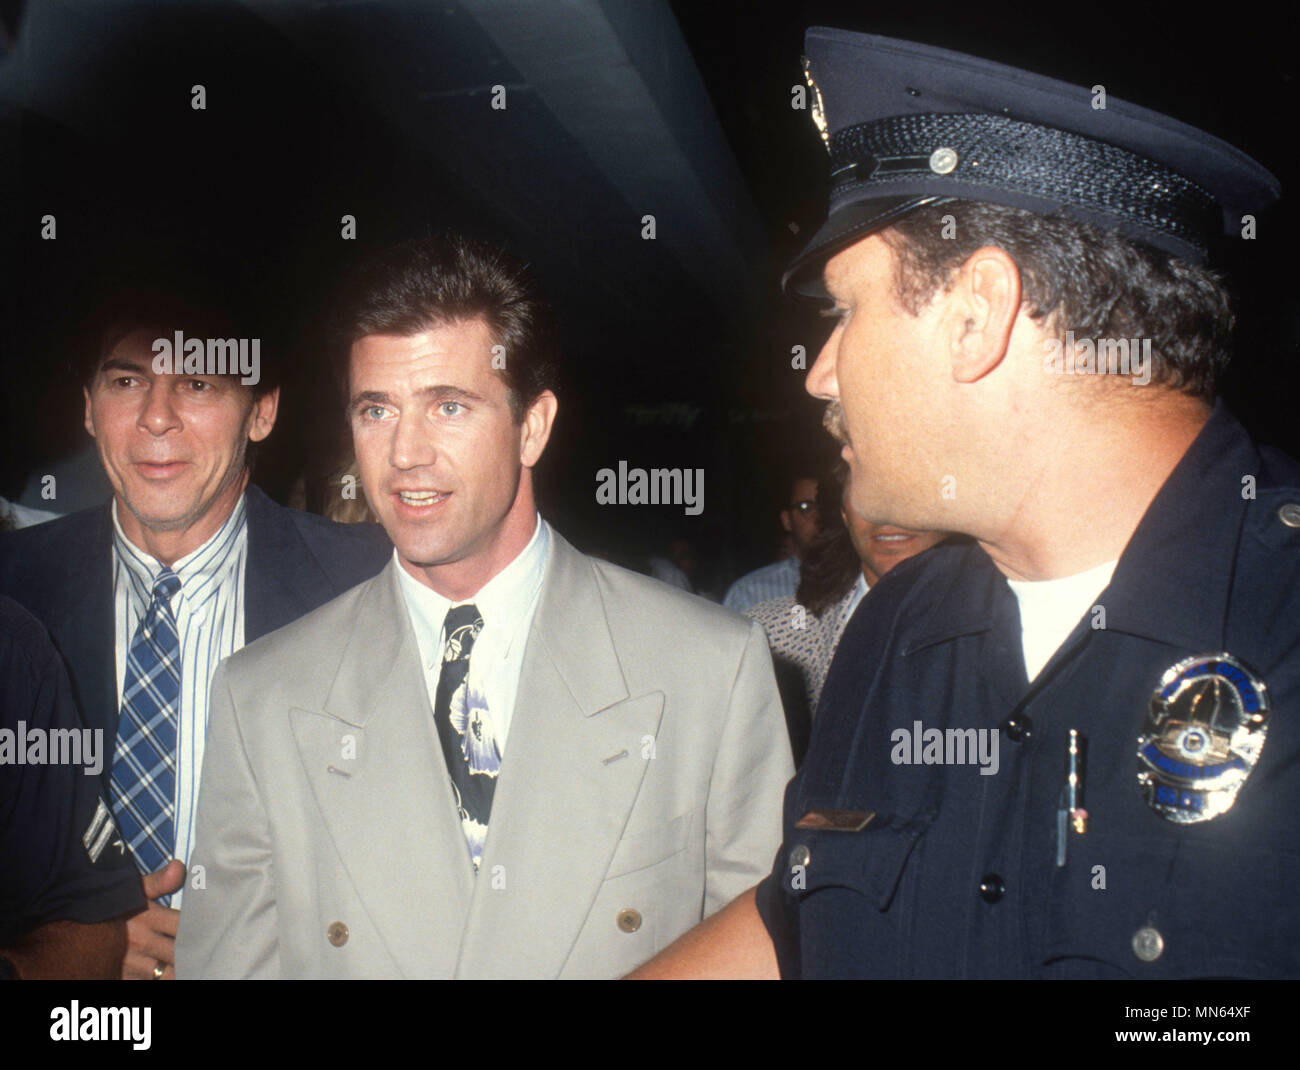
{"points": [[151, 936]]}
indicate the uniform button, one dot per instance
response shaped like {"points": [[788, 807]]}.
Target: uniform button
{"points": [[800, 856], [338, 933], [1148, 944], [1289, 514], [629, 920], [991, 887], [1018, 727]]}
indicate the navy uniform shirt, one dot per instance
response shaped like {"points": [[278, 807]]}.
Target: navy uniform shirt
{"points": [[956, 873], [58, 857]]}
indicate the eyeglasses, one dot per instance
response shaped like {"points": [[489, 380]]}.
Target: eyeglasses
{"points": [[805, 506]]}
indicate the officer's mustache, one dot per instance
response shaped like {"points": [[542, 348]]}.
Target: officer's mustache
{"points": [[833, 421]]}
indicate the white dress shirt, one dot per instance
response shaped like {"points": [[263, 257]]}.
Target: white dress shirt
{"points": [[507, 604], [209, 611]]}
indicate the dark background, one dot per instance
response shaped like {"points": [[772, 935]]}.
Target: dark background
{"points": [[679, 348]]}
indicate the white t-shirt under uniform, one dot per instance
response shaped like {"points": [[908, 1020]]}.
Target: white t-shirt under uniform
{"points": [[1049, 610]]}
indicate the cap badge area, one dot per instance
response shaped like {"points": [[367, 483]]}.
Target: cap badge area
{"points": [[943, 161], [1204, 732], [818, 112]]}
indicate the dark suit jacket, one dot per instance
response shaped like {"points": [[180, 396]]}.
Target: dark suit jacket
{"points": [[62, 572]]}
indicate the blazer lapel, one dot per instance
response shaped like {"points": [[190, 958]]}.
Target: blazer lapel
{"points": [[385, 795], [282, 580], [570, 774]]}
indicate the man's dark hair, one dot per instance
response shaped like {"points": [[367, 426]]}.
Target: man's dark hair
{"points": [[1101, 284], [431, 282], [163, 312], [798, 476], [831, 566]]}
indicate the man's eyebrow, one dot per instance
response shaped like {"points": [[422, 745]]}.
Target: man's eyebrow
{"points": [[124, 364], [448, 393], [138, 366], [431, 393]]}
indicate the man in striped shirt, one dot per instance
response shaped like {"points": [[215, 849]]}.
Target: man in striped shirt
{"points": [[188, 562]]}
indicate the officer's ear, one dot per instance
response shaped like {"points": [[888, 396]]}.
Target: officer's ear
{"points": [[981, 306]]}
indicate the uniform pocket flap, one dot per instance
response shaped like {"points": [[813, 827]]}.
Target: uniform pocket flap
{"points": [[869, 861]]}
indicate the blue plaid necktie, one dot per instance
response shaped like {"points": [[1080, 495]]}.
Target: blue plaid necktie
{"points": [[468, 742], [144, 765]]}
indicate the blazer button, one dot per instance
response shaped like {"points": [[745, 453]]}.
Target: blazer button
{"points": [[337, 933], [629, 920]]}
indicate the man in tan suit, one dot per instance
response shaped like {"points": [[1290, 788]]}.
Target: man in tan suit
{"points": [[499, 757]]}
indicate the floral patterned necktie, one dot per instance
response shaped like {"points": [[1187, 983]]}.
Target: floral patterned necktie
{"points": [[468, 743]]}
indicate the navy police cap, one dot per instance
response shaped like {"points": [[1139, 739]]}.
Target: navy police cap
{"points": [[908, 125]]}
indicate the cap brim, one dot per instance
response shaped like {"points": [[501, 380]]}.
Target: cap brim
{"points": [[851, 223]]}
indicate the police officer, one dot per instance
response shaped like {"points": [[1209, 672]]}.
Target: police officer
{"points": [[65, 884], [1069, 748]]}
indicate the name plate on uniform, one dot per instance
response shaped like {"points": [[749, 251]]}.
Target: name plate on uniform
{"points": [[836, 820]]}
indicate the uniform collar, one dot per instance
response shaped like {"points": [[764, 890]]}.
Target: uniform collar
{"points": [[1174, 578], [967, 599]]}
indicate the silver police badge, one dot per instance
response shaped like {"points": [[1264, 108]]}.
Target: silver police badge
{"points": [[1204, 732]]}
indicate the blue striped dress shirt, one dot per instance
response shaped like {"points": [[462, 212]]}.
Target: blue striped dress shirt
{"points": [[770, 581], [209, 611]]}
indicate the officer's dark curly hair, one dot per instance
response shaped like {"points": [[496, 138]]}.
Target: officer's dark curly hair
{"points": [[1099, 284], [430, 282]]}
